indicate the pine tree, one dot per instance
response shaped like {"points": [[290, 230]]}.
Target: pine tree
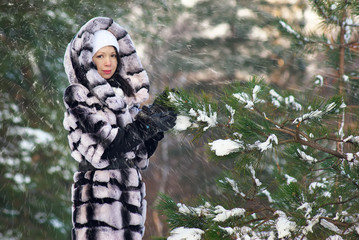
{"points": [[178, 49], [35, 164], [293, 155]]}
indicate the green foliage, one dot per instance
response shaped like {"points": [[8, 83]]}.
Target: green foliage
{"points": [[295, 161], [35, 166]]}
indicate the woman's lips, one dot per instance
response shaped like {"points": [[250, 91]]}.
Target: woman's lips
{"points": [[107, 71]]}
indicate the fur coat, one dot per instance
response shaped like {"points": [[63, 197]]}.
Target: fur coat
{"points": [[108, 196]]}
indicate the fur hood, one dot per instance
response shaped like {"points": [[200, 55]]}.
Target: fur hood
{"points": [[80, 69]]}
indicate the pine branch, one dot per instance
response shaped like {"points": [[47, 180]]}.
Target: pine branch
{"points": [[321, 148], [338, 223], [286, 133], [339, 202], [296, 137]]}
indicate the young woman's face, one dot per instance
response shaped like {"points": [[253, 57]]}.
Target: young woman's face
{"points": [[105, 61]]}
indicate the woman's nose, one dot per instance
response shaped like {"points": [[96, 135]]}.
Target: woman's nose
{"points": [[107, 61]]}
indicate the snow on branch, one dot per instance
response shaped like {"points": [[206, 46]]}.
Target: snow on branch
{"points": [[199, 211], [242, 232], [185, 120], [182, 123], [181, 233], [308, 207], [217, 213], [234, 186], [330, 226], [289, 101], [232, 112], [174, 98], [224, 147], [327, 12], [267, 194], [292, 103], [253, 172], [316, 114], [307, 157], [209, 117], [263, 146], [312, 222], [348, 29], [334, 237], [283, 225], [223, 214], [314, 185], [290, 179], [291, 31], [246, 99], [352, 139], [276, 98]]}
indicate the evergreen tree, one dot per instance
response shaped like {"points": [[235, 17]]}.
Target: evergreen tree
{"points": [[35, 167], [294, 155], [178, 50]]}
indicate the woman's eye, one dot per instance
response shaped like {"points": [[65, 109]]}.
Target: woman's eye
{"points": [[99, 56], [114, 55]]}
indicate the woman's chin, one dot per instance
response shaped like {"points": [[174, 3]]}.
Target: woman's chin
{"points": [[107, 77]]}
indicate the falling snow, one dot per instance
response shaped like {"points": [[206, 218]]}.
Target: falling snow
{"points": [[204, 116]]}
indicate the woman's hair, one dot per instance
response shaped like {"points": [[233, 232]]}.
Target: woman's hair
{"points": [[118, 79]]}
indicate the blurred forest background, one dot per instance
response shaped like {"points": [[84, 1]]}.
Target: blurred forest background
{"points": [[200, 45]]}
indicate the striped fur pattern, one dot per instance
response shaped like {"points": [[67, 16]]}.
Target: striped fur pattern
{"points": [[107, 204]]}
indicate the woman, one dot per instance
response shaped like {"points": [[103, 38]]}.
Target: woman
{"points": [[109, 135]]}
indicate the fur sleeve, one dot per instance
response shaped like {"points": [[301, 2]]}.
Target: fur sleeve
{"points": [[90, 128]]}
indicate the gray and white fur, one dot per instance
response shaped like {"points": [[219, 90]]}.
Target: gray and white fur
{"points": [[107, 203]]}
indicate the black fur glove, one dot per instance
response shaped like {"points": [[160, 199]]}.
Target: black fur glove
{"points": [[157, 117], [152, 143], [149, 126]]}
